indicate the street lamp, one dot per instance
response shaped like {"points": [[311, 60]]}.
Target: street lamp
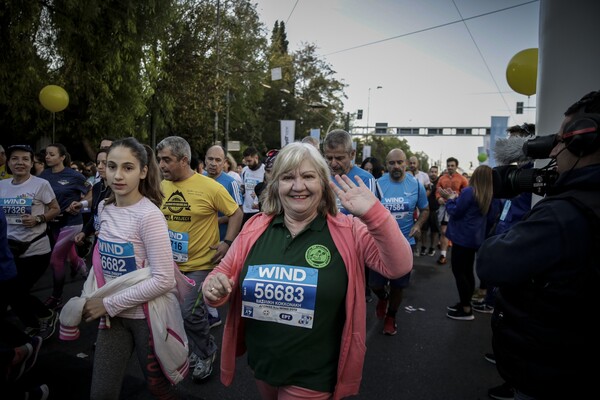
{"points": [[369, 106]]}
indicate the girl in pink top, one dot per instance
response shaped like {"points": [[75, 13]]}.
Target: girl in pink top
{"points": [[132, 235]]}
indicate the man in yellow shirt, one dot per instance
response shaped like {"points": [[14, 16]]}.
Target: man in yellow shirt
{"points": [[190, 207]]}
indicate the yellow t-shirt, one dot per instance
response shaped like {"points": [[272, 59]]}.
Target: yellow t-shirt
{"points": [[4, 173], [190, 208]]}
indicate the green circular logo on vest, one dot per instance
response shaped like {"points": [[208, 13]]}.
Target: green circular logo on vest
{"points": [[317, 256]]}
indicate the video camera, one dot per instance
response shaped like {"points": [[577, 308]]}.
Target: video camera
{"points": [[510, 180]]}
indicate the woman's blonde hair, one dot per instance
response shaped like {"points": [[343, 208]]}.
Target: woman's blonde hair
{"points": [[289, 159], [482, 184], [232, 164]]}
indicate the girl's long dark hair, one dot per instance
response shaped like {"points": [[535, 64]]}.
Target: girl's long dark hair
{"points": [[150, 185]]}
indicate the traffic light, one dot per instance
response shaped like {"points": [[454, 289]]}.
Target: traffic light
{"points": [[519, 107], [359, 114]]}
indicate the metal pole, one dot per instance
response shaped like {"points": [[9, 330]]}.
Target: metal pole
{"points": [[368, 109], [369, 106], [216, 135], [226, 139]]}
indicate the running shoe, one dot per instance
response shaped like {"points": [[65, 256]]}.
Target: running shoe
{"points": [[389, 326], [460, 315], [48, 325], [204, 368]]}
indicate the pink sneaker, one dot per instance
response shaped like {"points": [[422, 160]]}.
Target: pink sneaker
{"points": [[389, 326]]}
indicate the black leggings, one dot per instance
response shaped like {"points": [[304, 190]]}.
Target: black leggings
{"points": [[462, 260], [25, 305]]}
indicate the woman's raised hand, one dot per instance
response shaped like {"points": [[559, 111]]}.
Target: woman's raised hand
{"points": [[357, 199]]}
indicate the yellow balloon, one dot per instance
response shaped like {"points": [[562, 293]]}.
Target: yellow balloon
{"points": [[54, 98], [521, 72]]}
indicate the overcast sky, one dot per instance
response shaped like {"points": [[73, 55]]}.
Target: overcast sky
{"points": [[434, 69]]}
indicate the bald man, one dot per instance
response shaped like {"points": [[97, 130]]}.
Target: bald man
{"points": [[401, 194]]}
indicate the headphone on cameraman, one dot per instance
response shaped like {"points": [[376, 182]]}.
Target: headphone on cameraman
{"points": [[582, 135]]}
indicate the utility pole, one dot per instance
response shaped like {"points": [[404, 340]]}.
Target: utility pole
{"points": [[369, 106], [226, 139], [218, 40]]}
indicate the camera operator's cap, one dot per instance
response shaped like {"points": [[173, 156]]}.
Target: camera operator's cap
{"points": [[22, 147]]}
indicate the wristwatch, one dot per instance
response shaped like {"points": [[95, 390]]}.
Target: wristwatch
{"points": [[39, 219], [228, 242]]}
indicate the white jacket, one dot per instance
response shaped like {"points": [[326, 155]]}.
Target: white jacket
{"points": [[163, 315]]}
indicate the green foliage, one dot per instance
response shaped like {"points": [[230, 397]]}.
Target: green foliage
{"points": [[22, 70], [308, 92], [156, 68], [381, 146]]}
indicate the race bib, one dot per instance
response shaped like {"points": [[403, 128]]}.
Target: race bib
{"points": [[179, 245], [14, 208], [398, 209], [283, 294], [117, 259]]}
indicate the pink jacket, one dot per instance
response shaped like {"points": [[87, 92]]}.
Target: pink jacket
{"points": [[375, 242]]}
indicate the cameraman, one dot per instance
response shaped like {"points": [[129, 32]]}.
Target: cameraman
{"points": [[507, 151], [543, 330]]}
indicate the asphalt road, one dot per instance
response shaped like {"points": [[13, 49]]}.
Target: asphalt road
{"points": [[431, 357]]}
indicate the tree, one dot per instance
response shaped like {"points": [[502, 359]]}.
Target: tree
{"points": [[319, 94], [22, 70], [382, 145], [99, 51], [156, 68], [309, 93]]}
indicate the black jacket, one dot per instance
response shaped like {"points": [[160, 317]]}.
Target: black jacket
{"points": [[547, 268]]}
